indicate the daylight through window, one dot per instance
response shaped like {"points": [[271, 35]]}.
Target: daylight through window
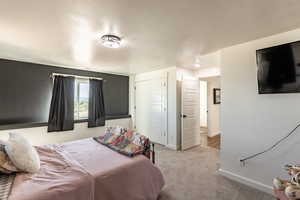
{"points": [[81, 102]]}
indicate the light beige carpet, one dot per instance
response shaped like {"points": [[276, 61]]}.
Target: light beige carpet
{"points": [[191, 175]]}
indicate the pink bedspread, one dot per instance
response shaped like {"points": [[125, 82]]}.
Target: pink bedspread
{"points": [[117, 177], [87, 170], [279, 194], [60, 178]]}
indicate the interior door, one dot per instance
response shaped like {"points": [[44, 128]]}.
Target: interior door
{"points": [[190, 113], [151, 109], [203, 104]]}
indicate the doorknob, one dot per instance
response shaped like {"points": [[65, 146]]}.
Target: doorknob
{"points": [[183, 116]]}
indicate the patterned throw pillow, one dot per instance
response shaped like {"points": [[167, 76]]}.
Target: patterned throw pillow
{"points": [[6, 166], [132, 149], [115, 130], [112, 134], [125, 141], [136, 138], [109, 138]]}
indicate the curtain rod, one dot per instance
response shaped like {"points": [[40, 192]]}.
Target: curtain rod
{"points": [[76, 76]]}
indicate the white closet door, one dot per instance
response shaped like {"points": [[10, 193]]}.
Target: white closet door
{"points": [[151, 112], [190, 133]]}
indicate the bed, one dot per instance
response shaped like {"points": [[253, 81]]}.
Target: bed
{"points": [[280, 195], [87, 170]]}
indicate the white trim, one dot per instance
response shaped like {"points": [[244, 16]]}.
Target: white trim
{"points": [[250, 182], [165, 106], [213, 134]]}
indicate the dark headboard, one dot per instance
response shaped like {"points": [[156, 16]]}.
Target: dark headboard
{"points": [[26, 89]]}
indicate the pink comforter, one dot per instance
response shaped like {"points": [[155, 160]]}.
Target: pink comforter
{"points": [[60, 178], [87, 170]]}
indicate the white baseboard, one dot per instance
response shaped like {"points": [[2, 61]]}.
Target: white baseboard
{"points": [[252, 183], [172, 146], [212, 134]]}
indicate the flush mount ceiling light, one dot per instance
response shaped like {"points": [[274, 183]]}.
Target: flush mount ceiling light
{"points": [[197, 62], [111, 41], [197, 65]]}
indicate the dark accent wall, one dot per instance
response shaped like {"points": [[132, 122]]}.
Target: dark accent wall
{"points": [[26, 90]]}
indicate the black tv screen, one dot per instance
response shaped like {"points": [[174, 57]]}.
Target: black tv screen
{"points": [[279, 69]]}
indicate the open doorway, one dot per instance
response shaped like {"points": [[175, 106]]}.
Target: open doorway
{"points": [[203, 105], [210, 100]]}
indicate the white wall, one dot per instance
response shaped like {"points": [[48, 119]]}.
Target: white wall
{"points": [[213, 116], [208, 72], [209, 65], [183, 73], [39, 135], [209, 60], [132, 99], [173, 137], [251, 122]]}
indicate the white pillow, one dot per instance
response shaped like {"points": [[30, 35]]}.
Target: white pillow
{"points": [[23, 155]]}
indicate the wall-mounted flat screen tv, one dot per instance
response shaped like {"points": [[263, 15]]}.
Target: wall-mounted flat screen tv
{"points": [[279, 69]]}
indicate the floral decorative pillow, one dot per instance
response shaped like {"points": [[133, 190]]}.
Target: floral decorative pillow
{"points": [[125, 141], [115, 130], [132, 149], [109, 138]]}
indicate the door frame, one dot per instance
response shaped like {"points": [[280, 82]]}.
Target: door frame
{"points": [[152, 76], [206, 95]]}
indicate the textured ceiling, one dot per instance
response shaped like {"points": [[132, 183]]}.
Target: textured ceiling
{"points": [[156, 34]]}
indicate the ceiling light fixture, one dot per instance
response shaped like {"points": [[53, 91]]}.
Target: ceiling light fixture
{"points": [[197, 65], [111, 41]]}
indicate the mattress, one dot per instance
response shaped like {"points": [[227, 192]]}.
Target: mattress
{"points": [[87, 170]]}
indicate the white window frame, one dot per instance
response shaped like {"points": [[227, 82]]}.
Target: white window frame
{"points": [[79, 81]]}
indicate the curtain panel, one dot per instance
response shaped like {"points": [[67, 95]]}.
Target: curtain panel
{"points": [[96, 116], [61, 115]]}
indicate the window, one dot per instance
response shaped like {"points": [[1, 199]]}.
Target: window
{"points": [[81, 101]]}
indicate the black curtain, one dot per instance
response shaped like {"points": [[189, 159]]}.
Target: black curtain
{"points": [[61, 116], [96, 104]]}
